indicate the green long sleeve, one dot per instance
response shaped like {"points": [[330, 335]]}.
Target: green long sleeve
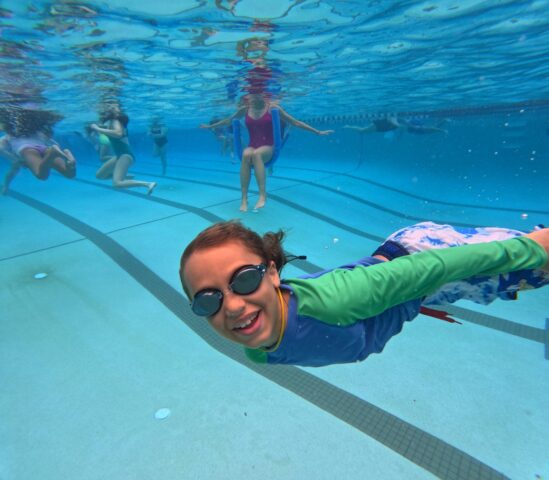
{"points": [[343, 297]]}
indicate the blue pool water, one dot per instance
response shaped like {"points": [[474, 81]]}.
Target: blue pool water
{"points": [[106, 373]]}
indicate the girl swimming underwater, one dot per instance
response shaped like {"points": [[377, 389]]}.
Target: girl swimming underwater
{"points": [[231, 276]]}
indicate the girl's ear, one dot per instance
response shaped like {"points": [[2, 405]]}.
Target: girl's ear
{"points": [[273, 273]]}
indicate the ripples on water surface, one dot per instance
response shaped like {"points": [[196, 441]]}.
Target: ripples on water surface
{"points": [[185, 58]]}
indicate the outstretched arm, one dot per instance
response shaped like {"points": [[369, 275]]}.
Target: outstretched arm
{"points": [[299, 124], [225, 121], [367, 291], [368, 128]]}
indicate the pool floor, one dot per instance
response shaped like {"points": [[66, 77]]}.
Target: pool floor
{"points": [[94, 352]]}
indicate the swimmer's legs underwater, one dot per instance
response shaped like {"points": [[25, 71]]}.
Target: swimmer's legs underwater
{"points": [[256, 157]]}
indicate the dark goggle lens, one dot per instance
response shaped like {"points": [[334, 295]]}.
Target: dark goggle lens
{"points": [[247, 281], [206, 304]]}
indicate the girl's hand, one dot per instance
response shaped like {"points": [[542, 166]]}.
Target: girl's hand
{"points": [[325, 132], [542, 238], [94, 126]]}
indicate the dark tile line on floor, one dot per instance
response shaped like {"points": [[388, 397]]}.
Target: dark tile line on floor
{"points": [[531, 333], [425, 450], [376, 184], [312, 213]]}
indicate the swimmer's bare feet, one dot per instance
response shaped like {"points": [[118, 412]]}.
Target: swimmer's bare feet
{"points": [[152, 186], [260, 203], [244, 206]]}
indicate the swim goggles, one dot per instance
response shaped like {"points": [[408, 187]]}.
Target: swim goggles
{"points": [[246, 280]]}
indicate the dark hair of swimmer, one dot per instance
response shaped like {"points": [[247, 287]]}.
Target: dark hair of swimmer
{"points": [[268, 247], [22, 122]]}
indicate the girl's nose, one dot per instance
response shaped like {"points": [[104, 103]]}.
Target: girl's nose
{"points": [[233, 304]]}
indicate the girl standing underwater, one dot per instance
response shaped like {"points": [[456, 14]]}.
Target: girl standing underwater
{"points": [[231, 276], [118, 165], [259, 122]]}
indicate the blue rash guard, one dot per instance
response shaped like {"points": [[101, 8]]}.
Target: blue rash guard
{"points": [[310, 342]]}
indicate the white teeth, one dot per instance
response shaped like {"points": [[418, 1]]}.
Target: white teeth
{"points": [[245, 323]]}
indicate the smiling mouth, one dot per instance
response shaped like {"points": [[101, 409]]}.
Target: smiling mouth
{"points": [[248, 325]]}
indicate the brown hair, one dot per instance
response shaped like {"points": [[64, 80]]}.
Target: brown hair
{"points": [[268, 247], [24, 122]]}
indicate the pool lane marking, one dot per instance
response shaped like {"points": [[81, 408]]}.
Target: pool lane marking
{"points": [[308, 211], [425, 450], [472, 316], [377, 184]]}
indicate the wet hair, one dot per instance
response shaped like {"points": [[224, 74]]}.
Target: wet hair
{"points": [[23, 122], [268, 247]]}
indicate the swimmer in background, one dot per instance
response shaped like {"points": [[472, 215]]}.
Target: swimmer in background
{"points": [[231, 276], [100, 143], [384, 124], [391, 122], [256, 109], [226, 139], [117, 166], [159, 133], [29, 144]]}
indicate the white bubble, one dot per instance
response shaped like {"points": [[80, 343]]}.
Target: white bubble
{"points": [[524, 216], [335, 240], [162, 413], [39, 276]]}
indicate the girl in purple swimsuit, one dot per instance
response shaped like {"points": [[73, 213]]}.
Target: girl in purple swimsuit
{"points": [[257, 112]]}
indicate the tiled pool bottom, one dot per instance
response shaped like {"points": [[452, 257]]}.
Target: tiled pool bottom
{"points": [[95, 349]]}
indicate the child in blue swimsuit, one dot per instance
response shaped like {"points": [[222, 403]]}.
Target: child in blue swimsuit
{"points": [[231, 276]]}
